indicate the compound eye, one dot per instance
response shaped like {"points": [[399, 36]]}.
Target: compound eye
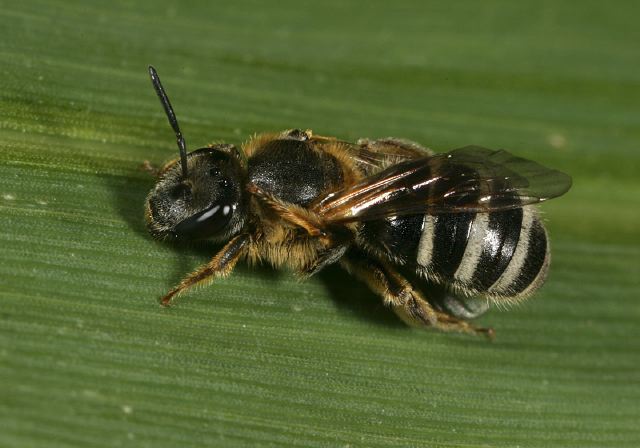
{"points": [[206, 223]]}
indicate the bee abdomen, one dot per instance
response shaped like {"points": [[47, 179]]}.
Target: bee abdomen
{"points": [[528, 267], [501, 255], [498, 254]]}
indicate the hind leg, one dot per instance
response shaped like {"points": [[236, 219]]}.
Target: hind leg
{"points": [[398, 293], [403, 148]]}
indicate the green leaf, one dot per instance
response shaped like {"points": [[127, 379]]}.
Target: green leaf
{"points": [[88, 358]]}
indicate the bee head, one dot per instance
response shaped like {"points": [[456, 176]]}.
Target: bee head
{"points": [[206, 203], [200, 195]]}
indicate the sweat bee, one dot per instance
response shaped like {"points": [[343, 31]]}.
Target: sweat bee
{"points": [[464, 220]]}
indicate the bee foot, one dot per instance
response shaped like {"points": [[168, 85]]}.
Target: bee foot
{"points": [[149, 168]]}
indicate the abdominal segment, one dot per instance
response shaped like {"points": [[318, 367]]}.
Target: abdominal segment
{"points": [[500, 255]]}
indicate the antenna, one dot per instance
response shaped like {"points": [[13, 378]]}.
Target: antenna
{"points": [[173, 121]]}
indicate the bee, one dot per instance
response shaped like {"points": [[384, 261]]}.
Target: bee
{"points": [[464, 220]]}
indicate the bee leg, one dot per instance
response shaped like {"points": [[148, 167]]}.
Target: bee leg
{"points": [[391, 145], [303, 136], [220, 266], [329, 256], [398, 293], [154, 170], [297, 134], [292, 213], [416, 308], [149, 168]]}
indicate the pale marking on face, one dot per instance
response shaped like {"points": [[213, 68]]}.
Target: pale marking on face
{"points": [[208, 214]]}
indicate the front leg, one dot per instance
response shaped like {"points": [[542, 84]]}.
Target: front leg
{"points": [[292, 213], [398, 293], [220, 266]]}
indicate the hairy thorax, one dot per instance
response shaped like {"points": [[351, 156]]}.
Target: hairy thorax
{"points": [[295, 172]]}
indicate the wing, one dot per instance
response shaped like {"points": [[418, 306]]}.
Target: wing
{"points": [[469, 179]]}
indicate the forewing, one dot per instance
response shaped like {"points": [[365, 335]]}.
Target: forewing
{"points": [[469, 179]]}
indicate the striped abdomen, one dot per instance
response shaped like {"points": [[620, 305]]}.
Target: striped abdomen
{"points": [[502, 255]]}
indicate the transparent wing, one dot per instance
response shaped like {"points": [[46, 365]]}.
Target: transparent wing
{"points": [[469, 179]]}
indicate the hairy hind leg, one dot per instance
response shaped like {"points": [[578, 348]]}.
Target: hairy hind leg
{"points": [[398, 293], [396, 149]]}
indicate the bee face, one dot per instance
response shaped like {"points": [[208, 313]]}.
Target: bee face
{"points": [[206, 203]]}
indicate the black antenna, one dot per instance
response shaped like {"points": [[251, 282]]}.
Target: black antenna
{"points": [[173, 121]]}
